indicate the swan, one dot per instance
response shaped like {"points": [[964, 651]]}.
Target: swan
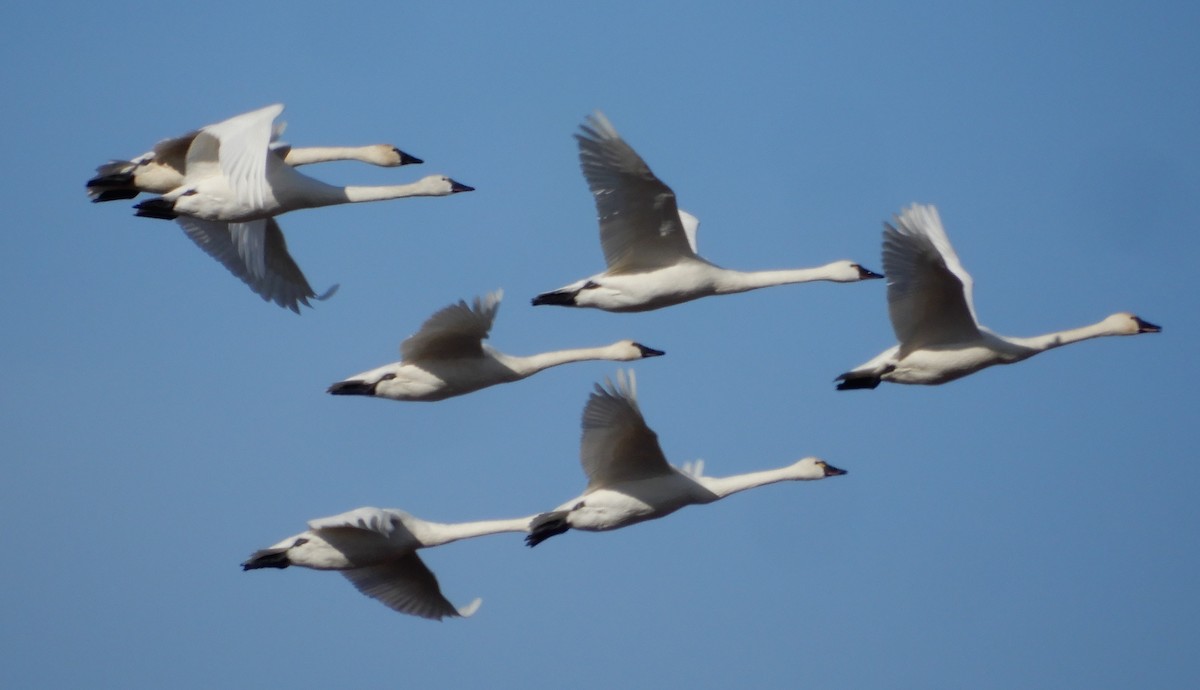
{"points": [[161, 169], [231, 176], [650, 245], [933, 314], [629, 480], [447, 357], [376, 549]]}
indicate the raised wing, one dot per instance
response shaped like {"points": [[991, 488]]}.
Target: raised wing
{"points": [[244, 140], [640, 227], [453, 332], [617, 446], [929, 291], [257, 254], [408, 586]]}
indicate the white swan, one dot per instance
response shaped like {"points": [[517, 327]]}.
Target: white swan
{"points": [[447, 357], [933, 314], [629, 480], [230, 176], [649, 244], [162, 168], [376, 549]]}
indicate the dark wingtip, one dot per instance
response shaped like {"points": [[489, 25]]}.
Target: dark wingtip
{"points": [[545, 526]]}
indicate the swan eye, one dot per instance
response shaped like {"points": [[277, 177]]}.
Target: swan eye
{"points": [[387, 377], [299, 542]]}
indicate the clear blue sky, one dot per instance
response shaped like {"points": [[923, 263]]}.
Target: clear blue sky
{"points": [[1029, 526]]}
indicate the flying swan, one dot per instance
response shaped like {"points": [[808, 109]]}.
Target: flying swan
{"points": [[376, 549], [650, 245], [629, 480], [231, 175], [447, 357], [162, 168], [933, 314]]}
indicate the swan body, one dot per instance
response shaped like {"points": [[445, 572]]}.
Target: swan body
{"points": [[629, 479], [650, 245], [933, 314], [162, 168], [230, 175], [376, 549], [447, 357]]}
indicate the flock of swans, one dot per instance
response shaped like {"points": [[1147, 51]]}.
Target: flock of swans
{"points": [[225, 183]]}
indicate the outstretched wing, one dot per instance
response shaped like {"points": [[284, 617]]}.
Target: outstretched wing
{"points": [[408, 586], [929, 291], [243, 149], [257, 254], [453, 332], [617, 446], [640, 227]]}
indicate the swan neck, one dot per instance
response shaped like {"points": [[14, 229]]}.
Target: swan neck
{"points": [[740, 281], [532, 364], [724, 486], [437, 533], [383, 192], [323, 154], [1041, 343]]}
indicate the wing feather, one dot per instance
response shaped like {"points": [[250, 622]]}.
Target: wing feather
{"points": [[453, 332], [406, 585], [640, 226], [257, 254], [617, 445], [929, 291]]}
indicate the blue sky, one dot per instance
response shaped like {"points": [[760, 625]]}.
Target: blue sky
{"points": [[1029, 526]]}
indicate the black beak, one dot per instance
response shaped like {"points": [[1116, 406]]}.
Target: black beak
{"points": [[831, 471], [648, 351], [456, 187], [267, 558], [1146, 326], [867, 274], [352, 387], [406, 159]]}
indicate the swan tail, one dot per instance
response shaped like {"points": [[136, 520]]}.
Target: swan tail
{"points": [[157, 207], [858, 380], [113, 180], [545, 526]]}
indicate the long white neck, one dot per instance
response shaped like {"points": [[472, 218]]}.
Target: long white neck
{"points": [[728, 281], [324, 154], [437, 533], [1049, 341], [724, 486], [532, 364]]}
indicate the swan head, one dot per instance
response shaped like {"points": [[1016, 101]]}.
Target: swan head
{"points": [[440, 185], [627, 351], [389, 156], [850, 272], [814, 468], [1125, 323]]}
